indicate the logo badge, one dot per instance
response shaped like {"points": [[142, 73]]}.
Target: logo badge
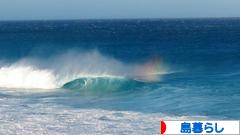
{"points": [[163, 127]]}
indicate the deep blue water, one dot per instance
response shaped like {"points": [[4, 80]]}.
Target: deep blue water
{"points": [[204, 52]]}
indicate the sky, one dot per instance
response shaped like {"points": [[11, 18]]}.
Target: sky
{"points": [[110, 9]]}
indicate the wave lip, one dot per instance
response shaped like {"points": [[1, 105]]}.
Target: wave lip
{"points": [[103, 84]]}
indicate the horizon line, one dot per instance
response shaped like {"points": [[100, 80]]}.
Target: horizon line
{"points": [[95, 19]]}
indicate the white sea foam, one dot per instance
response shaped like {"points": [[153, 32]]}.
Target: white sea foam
{"points": [[26, 77], [53, 118]]}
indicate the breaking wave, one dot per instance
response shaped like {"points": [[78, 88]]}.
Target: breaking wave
{"points": [[79, 70]]}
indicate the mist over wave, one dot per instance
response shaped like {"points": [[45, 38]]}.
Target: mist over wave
{"points": [[58, 70]]}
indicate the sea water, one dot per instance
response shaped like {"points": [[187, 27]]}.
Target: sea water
{"points": [[116, 76]]}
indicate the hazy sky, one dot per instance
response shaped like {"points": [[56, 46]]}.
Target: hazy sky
{"points": [[88, 9]]}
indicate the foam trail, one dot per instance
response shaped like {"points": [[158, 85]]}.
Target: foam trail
{"points": [[56, 71]]}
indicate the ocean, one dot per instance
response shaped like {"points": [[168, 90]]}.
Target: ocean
{"points": [[117, 76]]}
